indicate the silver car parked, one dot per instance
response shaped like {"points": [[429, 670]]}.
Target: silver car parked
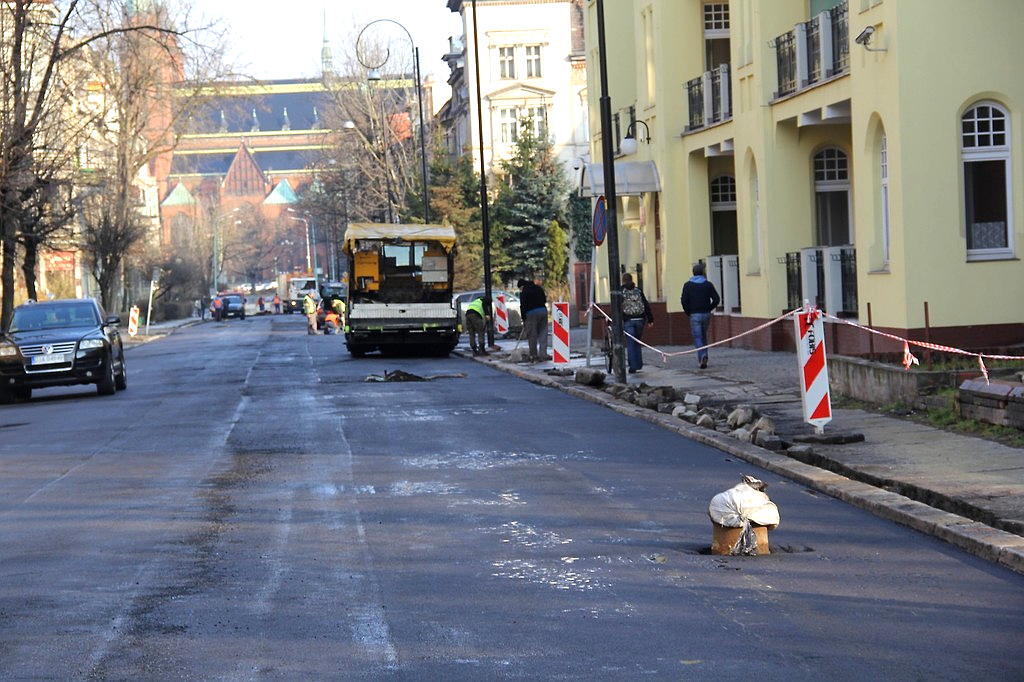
{"points": [[515, 317]]}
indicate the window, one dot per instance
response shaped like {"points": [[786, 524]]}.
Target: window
{"points": [[883, 158], [533, 61], [536, 117], [985, 154], [509, 125], [832, 197], [507, 62], [716, 34], [724, 240]]}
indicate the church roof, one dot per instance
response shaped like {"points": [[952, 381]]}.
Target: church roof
{"points": [[282, 194], [245, 177], [179, 196]]}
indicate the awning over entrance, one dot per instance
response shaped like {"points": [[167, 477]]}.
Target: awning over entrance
{"points": [[632, 178]]}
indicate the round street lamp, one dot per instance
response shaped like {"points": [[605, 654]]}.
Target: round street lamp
{"points": [[373, 74]]}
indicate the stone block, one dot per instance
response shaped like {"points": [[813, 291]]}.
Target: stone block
{"points": [[589, 376]]}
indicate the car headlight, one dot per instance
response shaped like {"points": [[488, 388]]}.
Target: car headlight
{"points": [[90, 343], [8, 350]]}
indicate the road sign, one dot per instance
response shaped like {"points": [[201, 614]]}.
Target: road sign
{"points": [[810, 347], [133, 321], [600, 222], [560, 332], [500, 315]]}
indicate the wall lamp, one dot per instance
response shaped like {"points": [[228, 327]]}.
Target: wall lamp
{"points": [[864, 39], [628, 145]]}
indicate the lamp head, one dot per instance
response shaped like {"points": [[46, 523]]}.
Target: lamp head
{"points": [[864, 37], [373, 75]]}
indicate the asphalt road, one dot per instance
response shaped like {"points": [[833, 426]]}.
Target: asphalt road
{"points": [[251, 508]]}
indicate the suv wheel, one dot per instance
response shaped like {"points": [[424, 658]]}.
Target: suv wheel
{"points": [[106, 385], [121, 379]]}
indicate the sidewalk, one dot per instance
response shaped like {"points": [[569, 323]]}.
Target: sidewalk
{"points": [[966, 491]]}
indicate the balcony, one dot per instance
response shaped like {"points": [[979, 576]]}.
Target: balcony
{"points": [[710, 98], [825, 276], [813, 52]]}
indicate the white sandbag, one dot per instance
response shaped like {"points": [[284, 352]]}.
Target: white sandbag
{"points": [[744, 502]]}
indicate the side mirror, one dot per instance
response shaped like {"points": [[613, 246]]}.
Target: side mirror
{"points": [[113, 319]]}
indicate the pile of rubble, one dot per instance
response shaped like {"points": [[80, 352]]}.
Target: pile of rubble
{"points": [[742, 422]]}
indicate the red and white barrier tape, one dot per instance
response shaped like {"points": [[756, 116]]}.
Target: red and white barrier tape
{"points": [[908, 357]]}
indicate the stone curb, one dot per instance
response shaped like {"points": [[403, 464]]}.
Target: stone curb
{"points": [[994, 545]]}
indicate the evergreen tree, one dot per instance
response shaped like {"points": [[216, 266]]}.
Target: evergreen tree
{"points": [[531, 194], [579, 216], [556, 263]]}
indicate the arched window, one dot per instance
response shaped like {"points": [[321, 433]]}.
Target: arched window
{"points": [[985, 157], [832, 197], [883, 174]]}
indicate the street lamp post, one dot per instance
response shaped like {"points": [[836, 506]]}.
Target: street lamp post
{"points": [[374, 74]]}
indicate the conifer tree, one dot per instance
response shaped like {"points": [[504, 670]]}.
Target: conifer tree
{"points": [[532, 192]]}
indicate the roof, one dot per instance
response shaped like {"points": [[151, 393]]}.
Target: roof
{"points": [[394, 232], [179, 196], [282, 194]]}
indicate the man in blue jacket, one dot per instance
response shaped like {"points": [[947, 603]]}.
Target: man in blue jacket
{"points": [[699, 299]]}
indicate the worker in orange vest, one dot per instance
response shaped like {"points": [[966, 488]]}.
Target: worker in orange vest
{"points": [[277, 304], [218, 308]]}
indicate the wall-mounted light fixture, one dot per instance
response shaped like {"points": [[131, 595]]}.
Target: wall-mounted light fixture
{"points": [[628, 144], [864, 39]]}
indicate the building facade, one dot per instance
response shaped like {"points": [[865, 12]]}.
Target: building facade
{"points": [[863, 155], [532, 72]]}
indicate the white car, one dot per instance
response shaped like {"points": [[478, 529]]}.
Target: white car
{"points": [[515, 317]]}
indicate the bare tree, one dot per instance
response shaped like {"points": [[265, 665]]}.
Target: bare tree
{"points": [[155, 73], [46, 53]]}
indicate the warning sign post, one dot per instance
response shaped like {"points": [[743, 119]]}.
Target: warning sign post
{"points": [[810, 352]]}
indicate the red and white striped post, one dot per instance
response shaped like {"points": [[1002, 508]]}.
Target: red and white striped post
{"points": [[133, 321], [500, 315], [560, 333], [810, 352]]}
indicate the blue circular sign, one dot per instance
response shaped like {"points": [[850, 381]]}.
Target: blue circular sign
{"points": [[600, 222]]}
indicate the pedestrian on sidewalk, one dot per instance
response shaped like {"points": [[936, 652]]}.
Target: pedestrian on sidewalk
{"points": [[636, 313], [476, 326], [534, 305], [699, 299]]}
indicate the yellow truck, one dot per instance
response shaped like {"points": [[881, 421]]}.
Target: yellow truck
{"points": [[400, 288]]}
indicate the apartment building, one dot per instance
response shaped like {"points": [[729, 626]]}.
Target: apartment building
{"points": [[863, 155], [532, 72]]}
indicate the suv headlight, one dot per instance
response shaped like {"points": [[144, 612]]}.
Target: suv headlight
{"points": [[85, 344], [8, 350]]}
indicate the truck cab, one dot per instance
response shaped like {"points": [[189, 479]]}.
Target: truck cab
{"points": [[400, 288]]}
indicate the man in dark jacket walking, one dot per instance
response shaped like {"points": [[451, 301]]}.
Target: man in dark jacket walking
{"points": [[699, 299]]}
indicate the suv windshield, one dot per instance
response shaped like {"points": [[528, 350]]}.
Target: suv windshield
{"points": [[36, 317]]}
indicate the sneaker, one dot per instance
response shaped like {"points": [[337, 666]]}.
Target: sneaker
{"points": [[704, 362]]}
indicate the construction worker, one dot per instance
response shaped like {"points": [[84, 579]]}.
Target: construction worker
{"points": [[338, 306], [309, 308], [277, 304], [218, 308], [331, 322], [476, 325]]}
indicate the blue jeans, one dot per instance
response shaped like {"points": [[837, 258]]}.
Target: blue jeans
{"points": [[699, 328], [634, 352]]}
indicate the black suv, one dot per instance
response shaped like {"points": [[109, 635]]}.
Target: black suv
{"points": [[233, 305], [61, 343]]}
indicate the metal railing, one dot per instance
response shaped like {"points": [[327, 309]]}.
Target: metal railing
{"points": [[785, 61], [709, 97], [814, 51], [840, 39]]}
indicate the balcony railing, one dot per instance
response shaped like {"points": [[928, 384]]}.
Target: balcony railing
{"points": [[825, 276], [813, 51], [710, 98]]}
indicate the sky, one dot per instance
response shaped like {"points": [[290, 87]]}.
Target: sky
{"points": [[283, 39]]}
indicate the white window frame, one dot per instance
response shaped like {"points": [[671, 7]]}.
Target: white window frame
{"points": [[989, 145], [508, 118], [538, 119], [507, 62], [830, 176], [883, 161], [533, 61]]}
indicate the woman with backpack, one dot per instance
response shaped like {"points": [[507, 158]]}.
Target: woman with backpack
{"points": [[636, 313]]}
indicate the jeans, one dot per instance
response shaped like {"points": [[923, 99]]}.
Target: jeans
{"points": [[699, 328], [634, 352]]}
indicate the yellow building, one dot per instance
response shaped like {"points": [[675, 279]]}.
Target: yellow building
{"points": [[863, 155]]}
